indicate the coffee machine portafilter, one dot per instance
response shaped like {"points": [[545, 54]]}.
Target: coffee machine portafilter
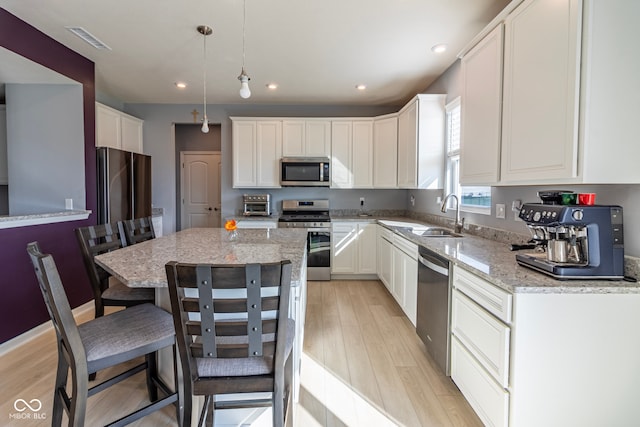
{"points": [[582, 242]]}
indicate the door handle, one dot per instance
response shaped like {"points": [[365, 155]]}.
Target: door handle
{"points": [[209, 209]]}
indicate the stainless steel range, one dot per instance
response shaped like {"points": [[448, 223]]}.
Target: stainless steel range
{"points": [[314, 216]]}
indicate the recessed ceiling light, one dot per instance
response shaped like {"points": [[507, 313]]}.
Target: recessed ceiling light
{"points": [[439, 48], [361, 87], [181, 85], [272, 86]]}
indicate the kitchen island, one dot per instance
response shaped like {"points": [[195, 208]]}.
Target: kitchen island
{"points": [[143, 265]]}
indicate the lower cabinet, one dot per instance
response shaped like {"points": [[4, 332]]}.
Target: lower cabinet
{"points": [[398, 270], [353, 247]]}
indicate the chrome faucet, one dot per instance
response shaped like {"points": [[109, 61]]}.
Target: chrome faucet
{"points": [[459, 224]]}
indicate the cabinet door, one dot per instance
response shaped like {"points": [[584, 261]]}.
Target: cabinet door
{"points": [[407, 137], [385, 153], [344, 247], [4, 167], [541, 85], [397, 280], [108, 127], [244, 153], [341, 151], [481, 111], [268, 153], [362, 155], [317, 138], [367, 248], [293, 138], [131, 134], [385, 258]]}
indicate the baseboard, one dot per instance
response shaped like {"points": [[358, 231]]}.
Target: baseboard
{"points": [[33, 333]]}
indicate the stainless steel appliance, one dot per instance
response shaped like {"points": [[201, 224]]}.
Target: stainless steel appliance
{"points": [[432, 319], [305, 172], [581, 242], [124, 185], [256, 204], [314, 216]]}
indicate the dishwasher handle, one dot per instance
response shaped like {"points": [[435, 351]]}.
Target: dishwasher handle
{"points": [[434, 263]]}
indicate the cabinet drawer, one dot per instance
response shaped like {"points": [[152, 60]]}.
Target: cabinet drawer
{"points": [[406, 246], [496, 301], [483, 335], [488, 399], [385, 233]]}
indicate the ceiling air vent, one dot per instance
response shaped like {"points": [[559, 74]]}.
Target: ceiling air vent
{"points": [[88, 37]]}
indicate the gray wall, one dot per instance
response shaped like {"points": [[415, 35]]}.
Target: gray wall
{"points": [[45, 147], [627, 196], [159, 142]]}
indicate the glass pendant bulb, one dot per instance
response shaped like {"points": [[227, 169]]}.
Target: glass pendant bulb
{"points": [[205, 125], [245, 92]]}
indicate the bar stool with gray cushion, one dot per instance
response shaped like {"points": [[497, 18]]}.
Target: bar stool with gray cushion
{"points": [[138, 230], [98, 239], [102, 343], [234, 334]]}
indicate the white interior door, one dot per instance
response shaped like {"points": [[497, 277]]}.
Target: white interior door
{"points": [[200, 189]]}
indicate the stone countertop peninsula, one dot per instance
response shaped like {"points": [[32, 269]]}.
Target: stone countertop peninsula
{"points": [[494, 261], [143, 264]]}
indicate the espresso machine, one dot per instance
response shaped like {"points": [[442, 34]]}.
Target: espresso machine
{"points": [[578, 242]]}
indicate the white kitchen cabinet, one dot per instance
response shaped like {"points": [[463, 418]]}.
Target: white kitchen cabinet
{"points": [[116, 129], [385, 152], [405, 276], [385, 256], [541, 88], [4, 167], [482, 111], [306, 138], [257, 149], [352, 154], [421, 143], [353, 247]]}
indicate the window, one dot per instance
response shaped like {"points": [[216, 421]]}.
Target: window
{"points": [[472, 199]]}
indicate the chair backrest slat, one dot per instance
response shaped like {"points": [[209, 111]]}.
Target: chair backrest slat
{"points": [[95, 240]]}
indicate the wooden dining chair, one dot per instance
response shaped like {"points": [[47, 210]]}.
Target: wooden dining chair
{"points": [[102, 343], [234, 334], [138, 230], [98, 239]]}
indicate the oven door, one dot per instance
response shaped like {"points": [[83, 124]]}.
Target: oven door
{"points": [[319, 254]]}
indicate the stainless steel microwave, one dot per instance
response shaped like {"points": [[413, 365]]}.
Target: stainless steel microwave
{"points": [[305, 172]]}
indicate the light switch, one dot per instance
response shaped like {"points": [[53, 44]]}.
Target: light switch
{"points": [[500, 210]]}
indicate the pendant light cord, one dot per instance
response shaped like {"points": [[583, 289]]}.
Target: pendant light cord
{"points": [[244, 23], [204, 72]]}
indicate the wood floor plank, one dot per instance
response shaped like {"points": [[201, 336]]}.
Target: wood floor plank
{"points": [[429, 409]]}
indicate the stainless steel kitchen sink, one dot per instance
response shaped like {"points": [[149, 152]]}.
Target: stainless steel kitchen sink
{"points": [[437, 232]]}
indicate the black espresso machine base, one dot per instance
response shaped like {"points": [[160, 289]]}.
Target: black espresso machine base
{"points": [[560, 271]]}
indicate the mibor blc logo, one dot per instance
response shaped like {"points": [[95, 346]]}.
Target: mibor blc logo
{"points": [[27, 410]]}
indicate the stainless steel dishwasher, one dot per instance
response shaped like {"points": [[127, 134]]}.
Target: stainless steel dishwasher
{"points": [[432, 320]]}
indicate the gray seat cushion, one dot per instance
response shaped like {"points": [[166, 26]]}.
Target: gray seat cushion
{"points": [[247, 366], [126, 334], [120, 291]]}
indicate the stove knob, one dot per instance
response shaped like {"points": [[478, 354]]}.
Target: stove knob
{"points": [[536, 216]]}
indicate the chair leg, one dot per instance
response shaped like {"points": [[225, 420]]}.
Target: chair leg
{"points": [[206, 413], [80, 386], [62, 374], [152, 372]]}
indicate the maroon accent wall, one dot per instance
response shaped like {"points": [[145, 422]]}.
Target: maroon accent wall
{"points": [[21, 304]]}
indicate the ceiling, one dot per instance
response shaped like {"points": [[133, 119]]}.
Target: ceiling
{"points": [[316, 51]]}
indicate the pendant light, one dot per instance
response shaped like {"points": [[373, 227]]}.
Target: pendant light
{"points": [[205, 31], [245, 92]]}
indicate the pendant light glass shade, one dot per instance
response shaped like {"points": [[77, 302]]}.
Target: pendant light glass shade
{"points": [[205, 31]]}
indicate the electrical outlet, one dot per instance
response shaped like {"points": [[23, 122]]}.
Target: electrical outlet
{"points": [[361, 201], [68, 204], [500, 211]]}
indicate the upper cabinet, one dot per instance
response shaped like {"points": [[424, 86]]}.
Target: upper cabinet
{"points": [[116, 129], [482, 111], [257, 149], [385, 152], [421, 143], [306, 138], [565, 119], [352, 154], [4, 167], [541, 82]]}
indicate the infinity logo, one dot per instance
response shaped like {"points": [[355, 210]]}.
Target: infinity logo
{"points": [[37, 405]]}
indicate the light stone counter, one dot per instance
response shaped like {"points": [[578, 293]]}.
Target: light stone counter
{"points": [[492, 260], [143, 265]]}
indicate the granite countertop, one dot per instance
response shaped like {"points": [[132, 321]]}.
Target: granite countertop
{"points": [[495, 262], [143, 264]]}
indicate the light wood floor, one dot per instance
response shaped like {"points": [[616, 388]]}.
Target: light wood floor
{"points": [[363, 365]]}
